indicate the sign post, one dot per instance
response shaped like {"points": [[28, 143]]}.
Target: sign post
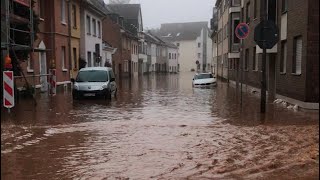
{"points": [[8, 90], [242, 32], [266, 36]]}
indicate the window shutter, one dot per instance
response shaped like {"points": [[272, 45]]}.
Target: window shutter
{"points": [[298, 55]]}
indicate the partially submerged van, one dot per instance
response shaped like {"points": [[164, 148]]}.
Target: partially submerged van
{"points": [[93, 82]]}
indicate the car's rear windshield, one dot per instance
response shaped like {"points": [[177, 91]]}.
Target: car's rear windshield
{"points": [[203, 76], [92, 76]]}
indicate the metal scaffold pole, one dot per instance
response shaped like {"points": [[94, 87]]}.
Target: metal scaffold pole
{"points": [[32, 50]]}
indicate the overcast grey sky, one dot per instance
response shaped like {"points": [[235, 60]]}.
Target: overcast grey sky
{"points": [[155, 12]]}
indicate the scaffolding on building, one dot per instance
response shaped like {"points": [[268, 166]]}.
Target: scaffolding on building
{"points": [[11, 22]]}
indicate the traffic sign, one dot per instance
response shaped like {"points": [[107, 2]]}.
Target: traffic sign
{"points": [[266, 34], [8, 89], [242, 31]]}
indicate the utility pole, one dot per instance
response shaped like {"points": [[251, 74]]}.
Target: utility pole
{"points": [[263, 17]]}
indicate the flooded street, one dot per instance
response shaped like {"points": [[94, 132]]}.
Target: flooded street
{"points": [[159, 127]]}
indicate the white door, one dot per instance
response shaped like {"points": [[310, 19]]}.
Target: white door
{"points": [[43, 71]]}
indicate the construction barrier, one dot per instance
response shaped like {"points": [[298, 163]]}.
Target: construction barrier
{"points": [[8, 89], [53, 82]]}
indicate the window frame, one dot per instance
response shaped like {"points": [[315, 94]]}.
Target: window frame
{"points": [[296, 71], [283, 57], [248, 12], [63, 12], [63, 58], [94, 27], [88, 24], [89, 59], [74, 51], [74, 16], [284, 6]]}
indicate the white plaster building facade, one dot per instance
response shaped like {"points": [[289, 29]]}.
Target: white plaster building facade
{"points": [[193, 42], [91, 36]]}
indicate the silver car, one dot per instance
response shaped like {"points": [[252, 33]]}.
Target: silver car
{"points": [[94, 81]]}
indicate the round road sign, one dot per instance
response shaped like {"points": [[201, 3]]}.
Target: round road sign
{"points": [[242, 31]]}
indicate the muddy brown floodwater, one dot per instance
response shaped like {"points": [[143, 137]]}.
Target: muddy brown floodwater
{"points": [[159, 127]]}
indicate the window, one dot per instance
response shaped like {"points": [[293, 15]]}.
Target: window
{"points": [[248, 12], [272, 10], [41, 6], [63, 11], [99, 29], [94, 28], [283, 60], [63, 57], [169, 55], [199, 55], [74, 16], [235, 24], [74, 58], [88, 25], [199, 45], [89, 58], [95, 59], [284, 6], [254, 60], [29, 65], [246, 60], [178, 44], [255, 9], [297, 55]]}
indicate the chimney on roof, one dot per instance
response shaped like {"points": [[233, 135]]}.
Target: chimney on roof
{"points": [[114, 17], [121, 18]]}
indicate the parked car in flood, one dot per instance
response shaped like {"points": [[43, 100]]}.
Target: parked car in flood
{"points": [[204, 80], [94, 82]]}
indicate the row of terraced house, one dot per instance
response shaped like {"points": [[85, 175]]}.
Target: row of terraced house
{"points": [[292, 64], [84, 33]]}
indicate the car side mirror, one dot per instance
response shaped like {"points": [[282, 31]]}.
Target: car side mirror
{"points": [[72, 80], [113, 79]]}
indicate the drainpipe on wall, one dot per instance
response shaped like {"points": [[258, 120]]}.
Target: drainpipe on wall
{"points": [[69, 39]]}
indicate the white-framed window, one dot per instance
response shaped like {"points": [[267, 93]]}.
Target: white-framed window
{"points": [[89, 58], [199, 55], [74, 51], [283, 60], [41, 7], [99, 29], [88, 23], [63, 58], [63, 11], [297, 57], [74, 15], [29, 65], [94, 27], [199, 45]]}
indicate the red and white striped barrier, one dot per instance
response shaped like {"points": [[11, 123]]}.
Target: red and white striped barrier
{"points": [[8, 89], [53, 82]]}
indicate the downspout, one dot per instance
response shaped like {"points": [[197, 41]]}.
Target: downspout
{"points": [[69, 39]]}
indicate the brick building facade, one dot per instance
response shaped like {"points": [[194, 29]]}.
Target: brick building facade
{"points": [[293, 64]]}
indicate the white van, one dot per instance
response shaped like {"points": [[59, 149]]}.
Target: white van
{"points": [[94, 81]]}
